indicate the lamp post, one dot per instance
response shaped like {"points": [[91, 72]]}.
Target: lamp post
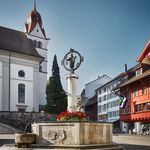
{"points": [[71, 62]]}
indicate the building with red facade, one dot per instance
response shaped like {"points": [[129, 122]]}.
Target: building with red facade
{"points": [[136, 88], [144, 57]]}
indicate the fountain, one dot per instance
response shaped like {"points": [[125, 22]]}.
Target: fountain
{"points": [[73, 134]]}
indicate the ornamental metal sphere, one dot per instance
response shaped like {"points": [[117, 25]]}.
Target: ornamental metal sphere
{"points": [[72, 60]]}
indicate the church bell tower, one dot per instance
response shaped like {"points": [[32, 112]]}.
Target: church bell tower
{"points": [[35, 31]]}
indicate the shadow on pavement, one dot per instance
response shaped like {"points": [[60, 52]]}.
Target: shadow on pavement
{"points": [[134, 147], [6, 141]]}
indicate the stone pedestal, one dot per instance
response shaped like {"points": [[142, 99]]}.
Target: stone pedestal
{"points": [[72, 133]]}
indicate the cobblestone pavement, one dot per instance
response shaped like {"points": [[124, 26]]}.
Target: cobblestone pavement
{"points": [[133, 142]]}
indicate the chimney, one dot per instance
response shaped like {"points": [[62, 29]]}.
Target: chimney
{"points": [[125, 67]]}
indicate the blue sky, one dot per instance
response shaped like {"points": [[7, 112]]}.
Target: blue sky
{"points": [[108, 33]]}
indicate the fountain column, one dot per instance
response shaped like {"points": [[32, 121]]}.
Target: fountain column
{"points": [[72, 98], [71, 62]]}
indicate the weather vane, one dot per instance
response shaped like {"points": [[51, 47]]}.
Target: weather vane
{"points": [[72, 60]]}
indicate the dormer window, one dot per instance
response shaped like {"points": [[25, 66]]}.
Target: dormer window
{"points": [[139, 72]]}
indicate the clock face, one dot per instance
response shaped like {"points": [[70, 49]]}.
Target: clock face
{"points": [[21, 73]]}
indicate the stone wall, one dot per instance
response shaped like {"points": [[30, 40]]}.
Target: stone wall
{"points": [[19, 120]]}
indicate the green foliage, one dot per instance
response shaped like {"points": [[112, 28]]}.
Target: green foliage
{"points": [[56, 96]]}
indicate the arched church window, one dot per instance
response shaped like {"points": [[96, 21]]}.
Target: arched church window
{"points": [[34, 42], [21, 93], [40, 68], [40, 44], [37, 44], [21, 73]]}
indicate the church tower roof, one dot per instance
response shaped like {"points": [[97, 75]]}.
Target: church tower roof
{"points": [[33, 18]]}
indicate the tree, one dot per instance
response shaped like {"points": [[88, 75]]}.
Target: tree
{"points": [[56, 96]]}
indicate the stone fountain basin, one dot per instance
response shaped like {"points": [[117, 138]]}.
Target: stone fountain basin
{"points": [[24, 139], [72, 133]]}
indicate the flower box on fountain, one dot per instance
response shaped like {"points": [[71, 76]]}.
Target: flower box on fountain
{"points": [[71, 116]]}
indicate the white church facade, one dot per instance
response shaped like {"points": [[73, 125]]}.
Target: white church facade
{"points": [[23, 66]]}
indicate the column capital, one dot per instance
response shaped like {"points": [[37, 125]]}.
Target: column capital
{"points": [[72, 76]]}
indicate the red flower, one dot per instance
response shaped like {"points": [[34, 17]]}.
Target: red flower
{"points": [[71, 116]]}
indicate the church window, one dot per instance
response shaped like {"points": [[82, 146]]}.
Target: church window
{"points": [[37, 44], [21, 73], [21, 93], [34, 43], [40, 68], [40, 44], [37, 30]]}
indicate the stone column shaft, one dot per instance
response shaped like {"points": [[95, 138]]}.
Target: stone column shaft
{"points": [[72, 98]]}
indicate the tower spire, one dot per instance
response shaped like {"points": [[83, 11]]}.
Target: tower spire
{"points": [[34, 4]]}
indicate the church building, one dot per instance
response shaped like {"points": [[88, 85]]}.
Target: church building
{"points": [[23, 66]]}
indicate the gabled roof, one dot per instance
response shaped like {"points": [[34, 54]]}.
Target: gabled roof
{"points": [[33, 18], [115, 78], [136, 78], [145, 54], [17, 41]]}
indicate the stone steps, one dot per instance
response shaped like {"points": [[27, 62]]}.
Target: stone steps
{"points": [[15, 148], [79, 147], [66, 147]]}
